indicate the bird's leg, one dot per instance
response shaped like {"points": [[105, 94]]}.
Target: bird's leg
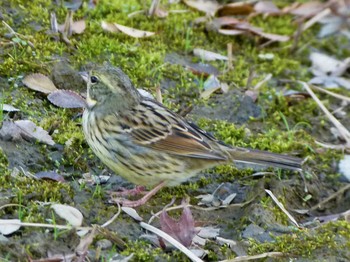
{"points": [[130, 192], [141, 201]]}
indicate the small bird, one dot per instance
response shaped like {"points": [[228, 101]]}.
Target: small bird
{"points": [[147, 144]]}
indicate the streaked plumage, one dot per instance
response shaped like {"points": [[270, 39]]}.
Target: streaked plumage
{"points": [[144, 142]]}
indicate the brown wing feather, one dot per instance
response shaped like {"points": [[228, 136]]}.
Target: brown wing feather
{"points": [[159, 129]]}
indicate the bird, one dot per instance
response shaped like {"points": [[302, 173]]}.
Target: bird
{"points": [[141, 140]]}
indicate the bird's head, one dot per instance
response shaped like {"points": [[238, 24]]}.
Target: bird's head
{"points": [[110, 89]]}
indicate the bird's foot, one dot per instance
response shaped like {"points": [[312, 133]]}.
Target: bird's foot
{"points": [[130, 203], [138, 190]]}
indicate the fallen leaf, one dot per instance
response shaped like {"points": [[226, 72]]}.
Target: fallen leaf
{"points": [[239, 8], [24, 129], [266, 7], [30, 130], [67, 99], [208, 55], [344, 167], [39, 82], [308, 9], [9, 226], [207, 6], [9, 108], [322, 63], [78, 27], [51, 175], [328, 71], [114, 28], [182, 230], [132, 212], [211, 85], [72, 215]]}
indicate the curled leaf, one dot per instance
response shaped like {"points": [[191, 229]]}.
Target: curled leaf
{"points": [[39, 82]]}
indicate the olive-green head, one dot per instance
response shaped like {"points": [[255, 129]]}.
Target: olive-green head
{"points": [[110, 89]]}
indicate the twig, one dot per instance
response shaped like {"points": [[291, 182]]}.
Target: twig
{"points": [[280, 205], [42, 225], [345, 134], [345, 98], [254, 257], [339, 192], [316, 18], [113, 218], [258, 85], [229, 55]]}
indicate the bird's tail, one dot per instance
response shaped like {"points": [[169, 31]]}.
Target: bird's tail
{"points": [[265, 158]]}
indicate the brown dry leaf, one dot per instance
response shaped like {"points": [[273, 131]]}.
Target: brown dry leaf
{"points": [[39, 82], [308, 9], [114, 28], [72, 215], [182, 230], [239, 8], [266, 7], [208, 6], [67, 99]]}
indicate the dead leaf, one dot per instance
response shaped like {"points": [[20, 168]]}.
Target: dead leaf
{"points": [[39, 82], [72, 215], [328, 71], [266, 7], [78, 27], [308, 9], [182, 230], [9, 226], [51, 175], [208, 55], [30, 130], [114, 28], [344, 167], [9, 108], [67, 99], [132, 212], [26, 129], [207, 6], [211, 85], [239, 8]]}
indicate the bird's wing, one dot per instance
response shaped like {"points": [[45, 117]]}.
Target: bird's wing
{"points": [[154, 126]]}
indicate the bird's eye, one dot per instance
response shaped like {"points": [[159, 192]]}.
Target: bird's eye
{"points": [[93, 79]]}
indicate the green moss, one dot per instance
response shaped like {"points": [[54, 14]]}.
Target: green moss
{"points": [[308, 243]]}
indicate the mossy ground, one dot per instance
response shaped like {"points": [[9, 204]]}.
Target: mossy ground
{"points": [[284, 126]]}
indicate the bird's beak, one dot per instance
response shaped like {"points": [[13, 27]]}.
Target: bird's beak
{"points": [[85, 76]]}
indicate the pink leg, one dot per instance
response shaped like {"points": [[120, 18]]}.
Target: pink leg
{"points": [[141, 201], [130, 192]]}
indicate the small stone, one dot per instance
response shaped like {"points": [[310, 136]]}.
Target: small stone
{"points": [[104, 244]]}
